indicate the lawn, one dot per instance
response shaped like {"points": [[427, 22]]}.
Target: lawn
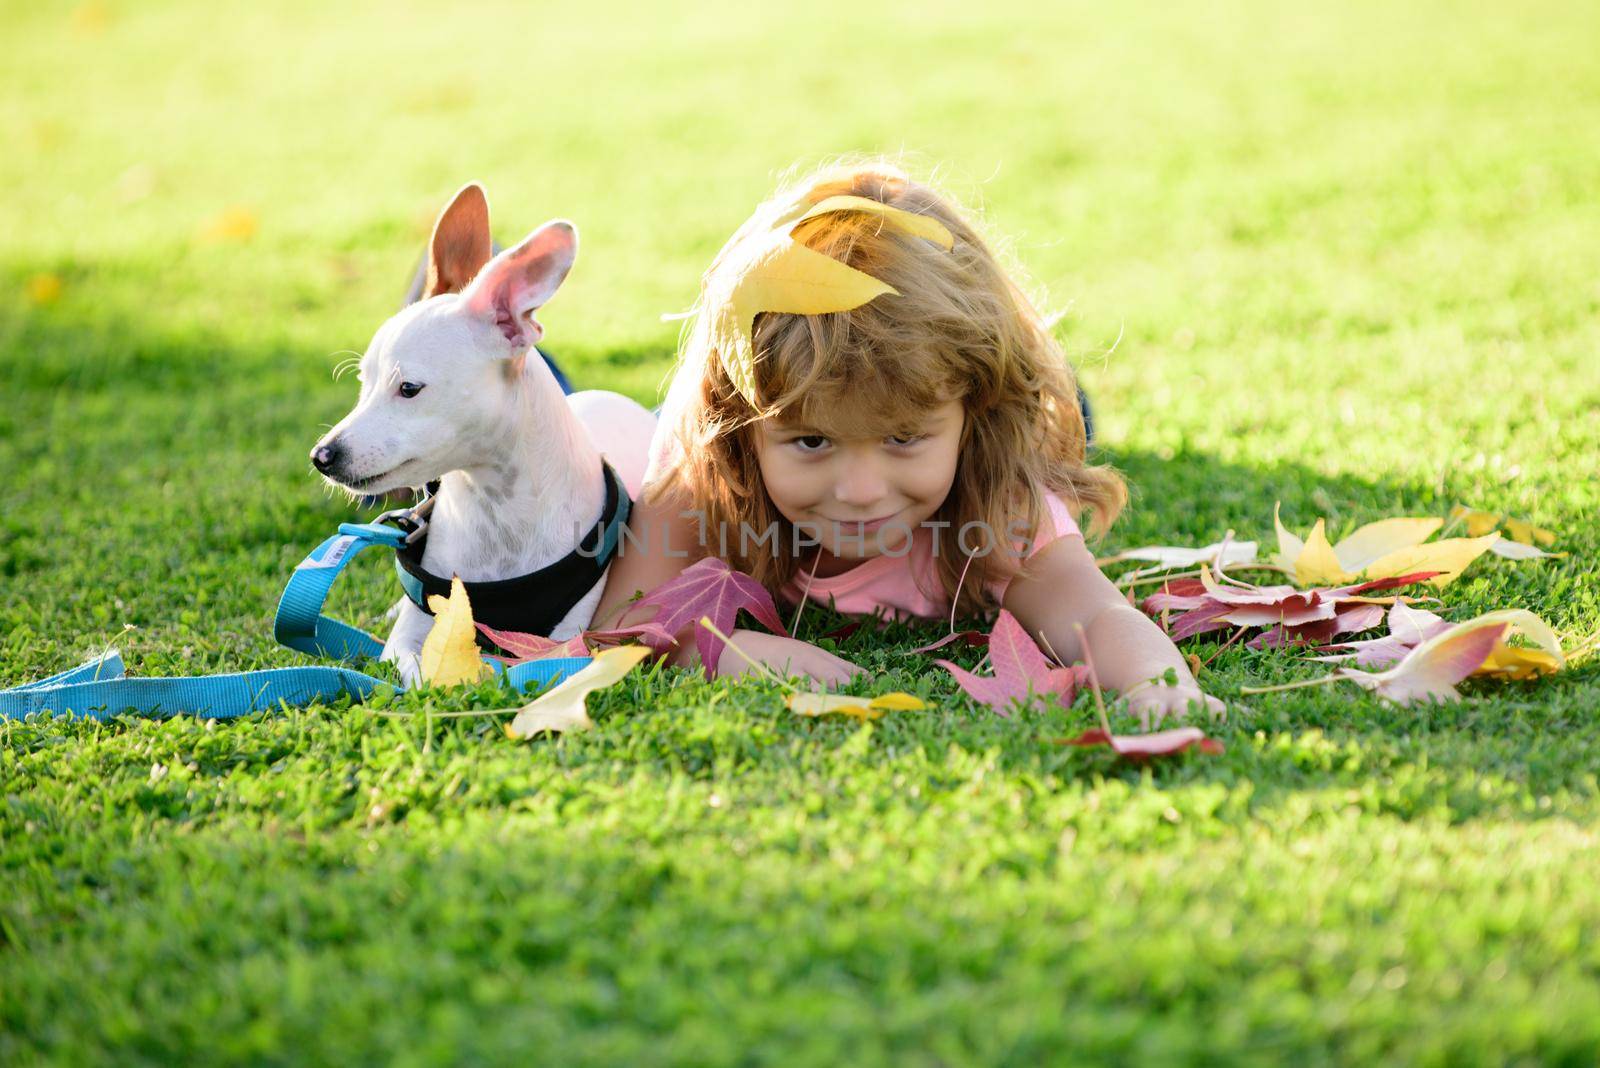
{"points": [[1344, 259]]}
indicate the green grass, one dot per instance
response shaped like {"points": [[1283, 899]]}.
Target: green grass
{"points": [[1340, 259]]}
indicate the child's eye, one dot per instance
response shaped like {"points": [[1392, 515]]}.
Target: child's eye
{"points": [[810, 443], [905, 439]]}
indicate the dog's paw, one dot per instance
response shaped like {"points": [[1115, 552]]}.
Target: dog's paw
{"points": [[410, 668]]}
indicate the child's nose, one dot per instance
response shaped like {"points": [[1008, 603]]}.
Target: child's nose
{"points": [[860, 484]]}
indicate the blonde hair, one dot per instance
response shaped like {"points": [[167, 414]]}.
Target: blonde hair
{"points": [[960, 329]]}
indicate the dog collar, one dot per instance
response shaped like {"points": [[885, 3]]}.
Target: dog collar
{"points": [[533, 603]]}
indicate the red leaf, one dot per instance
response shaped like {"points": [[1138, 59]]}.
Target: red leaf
{"points": [[844, 630], [1178, 595], [1294, 615], [1412, 579], [975, 638], [1358, 617], [1142, 747], [522, 647], [710, 588], [1021, 671], [1201, 620]]}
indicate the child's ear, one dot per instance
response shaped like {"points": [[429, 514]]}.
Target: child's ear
{"points": [[460, 245], [522, 279]]}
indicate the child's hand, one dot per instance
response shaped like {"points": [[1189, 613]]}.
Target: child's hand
{"points": [[1155, 700], [786, 656]]}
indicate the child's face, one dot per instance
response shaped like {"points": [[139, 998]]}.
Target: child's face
{"points": [[860, 496]]}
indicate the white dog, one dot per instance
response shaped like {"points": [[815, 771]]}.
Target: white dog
{"points": [[453, 391]]}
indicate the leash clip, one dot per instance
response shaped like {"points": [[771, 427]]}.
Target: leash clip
{"points": [[413, 520]]}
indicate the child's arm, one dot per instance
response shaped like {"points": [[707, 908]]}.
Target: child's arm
{"points": [[1061, 587]]}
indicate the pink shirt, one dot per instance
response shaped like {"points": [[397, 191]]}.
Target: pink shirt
{"points": [[908, 585]]}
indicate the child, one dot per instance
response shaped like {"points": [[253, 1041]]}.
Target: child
{"points": [[869, 412]]}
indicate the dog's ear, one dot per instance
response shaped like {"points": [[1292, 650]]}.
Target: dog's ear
{"points": [[521, 279], [460, 245]]}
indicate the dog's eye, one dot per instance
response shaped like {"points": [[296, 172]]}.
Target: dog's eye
{"points": [[410, 389]]}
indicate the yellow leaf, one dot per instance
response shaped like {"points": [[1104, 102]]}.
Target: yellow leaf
{"points": [[784, 276], [233, 224], [821, 704], [1385, 549], [1317, 564], [925, 226], [1519, 662], [781, 275], [1528, 534], [1450, 556], [91, 18], [899, 702], [44, 289], [1372, 542], [562, 708], [450, 652], [1289, 546], [1479, 523]]}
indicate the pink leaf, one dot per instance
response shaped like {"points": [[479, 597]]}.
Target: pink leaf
{"points": [[651, 634], [1141, 747], [1373, 653], [710, 588], [1413, 626], [1021, 671], [520, 646], [983, 689], [1430, 671]]}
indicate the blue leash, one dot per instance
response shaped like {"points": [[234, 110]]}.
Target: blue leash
{"points": [[100, 689]]}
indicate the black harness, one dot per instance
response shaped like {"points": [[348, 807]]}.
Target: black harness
{"points": [[532, 603]]}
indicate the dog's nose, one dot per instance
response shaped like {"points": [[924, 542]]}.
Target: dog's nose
{"points": [[323, 457]]}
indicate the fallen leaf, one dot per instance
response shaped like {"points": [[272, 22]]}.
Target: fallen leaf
{"points": [[562, 708], [820, 704], [1295, 616], [1516, 550], [1430, 671], [977, 639], [1479, 523], [1410, 627], [450, 651], [232, 224], [844, 630], [1351, 620], [91, 18], [523, 647], [1021, 671], [1519, 662], [1142, 747], [44, 289], [1171, 557], [1384, 549], [709, 588]]}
